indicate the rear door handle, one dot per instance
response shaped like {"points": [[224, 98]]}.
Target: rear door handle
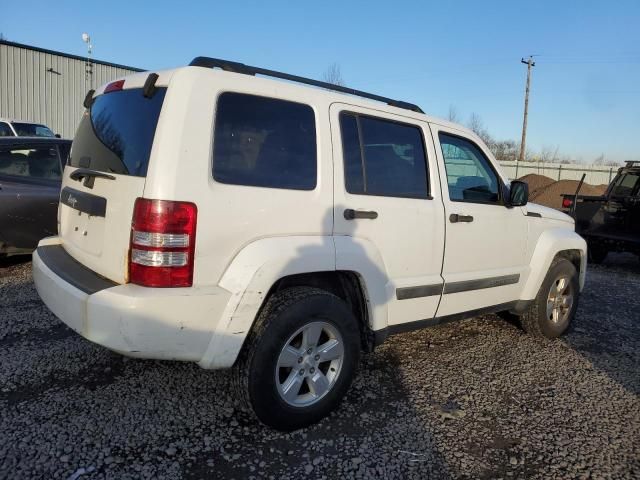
{"points": [[351, 214], [456, 217]]}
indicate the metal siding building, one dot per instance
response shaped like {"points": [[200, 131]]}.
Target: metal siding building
{"points": [[49, 87]]}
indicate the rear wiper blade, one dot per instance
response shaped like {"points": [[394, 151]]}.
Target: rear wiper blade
{"points": [[89, 176]]}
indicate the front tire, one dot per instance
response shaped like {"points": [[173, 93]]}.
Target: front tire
{"points": [[299, 359], [556, 303]]}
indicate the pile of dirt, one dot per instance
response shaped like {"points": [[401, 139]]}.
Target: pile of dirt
{"points": [[536, 182], [550, 195]]}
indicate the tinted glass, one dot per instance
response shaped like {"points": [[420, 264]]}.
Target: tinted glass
{"points": [[264, 142], [627, 185], [469, 173], [5, 130], [32, 130], [353, 168], [383, 157], [117, 134], [41, 162]]}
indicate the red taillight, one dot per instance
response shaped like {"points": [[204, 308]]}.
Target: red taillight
{"points": [[163, 240], [114, 86], [567, 202]]}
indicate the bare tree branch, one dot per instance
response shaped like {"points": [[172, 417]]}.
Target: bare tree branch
{"points": [[333, 75], [453, 114], [476, 125]]}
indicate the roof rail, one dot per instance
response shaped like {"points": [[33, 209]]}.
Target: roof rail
{"points": [[630, 163], [236, 67]]}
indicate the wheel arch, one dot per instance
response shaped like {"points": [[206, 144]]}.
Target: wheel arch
{"points": [[551, 244], [347, 285], [269, 265]]}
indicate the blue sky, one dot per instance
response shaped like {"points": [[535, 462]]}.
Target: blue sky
{"points": [[585, 97]]}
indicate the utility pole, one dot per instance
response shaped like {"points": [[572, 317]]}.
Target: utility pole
{"points": [[530, 63]]}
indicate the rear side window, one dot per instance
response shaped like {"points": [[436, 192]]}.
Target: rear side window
{"points": [[382, 157], [264, 142], [116, 134], [627, 185], [37, 162]]}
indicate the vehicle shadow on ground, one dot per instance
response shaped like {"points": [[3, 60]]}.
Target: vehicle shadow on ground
{"points": [[7, 262], [607, 333]]}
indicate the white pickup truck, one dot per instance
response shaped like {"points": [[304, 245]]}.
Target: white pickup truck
{"points": [[211, 215]]}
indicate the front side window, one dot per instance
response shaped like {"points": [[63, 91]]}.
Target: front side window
{"points": [[383, 157], [264, 142], [469, 174], [40, 162], [5, 130]]}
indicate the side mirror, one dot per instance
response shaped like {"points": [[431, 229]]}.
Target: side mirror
{"points": [[518, 193], [58, 135]]}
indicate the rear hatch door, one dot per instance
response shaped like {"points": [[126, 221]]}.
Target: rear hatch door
{"points": [[106, 173]]}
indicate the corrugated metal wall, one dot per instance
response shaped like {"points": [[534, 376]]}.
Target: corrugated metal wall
{"points": [[29, 92]]}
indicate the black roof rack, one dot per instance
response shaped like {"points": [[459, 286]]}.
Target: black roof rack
{"points": [[631, 163], [236, 67]]}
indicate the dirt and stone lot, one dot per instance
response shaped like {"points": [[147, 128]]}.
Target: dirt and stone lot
{"points": [[475, 399]]}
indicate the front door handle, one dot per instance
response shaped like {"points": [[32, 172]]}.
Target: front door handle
{"points": [[351, 214], [456, 217]]}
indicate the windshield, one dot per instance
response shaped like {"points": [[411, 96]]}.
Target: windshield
{"points": [[116, 135], [32, 130]]}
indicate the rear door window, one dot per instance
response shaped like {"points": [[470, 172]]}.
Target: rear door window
{"points": [[264, 142], [117, 133], [383, 157], [30, 162]]}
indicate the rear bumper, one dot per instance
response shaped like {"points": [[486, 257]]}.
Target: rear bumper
{"points": [[175, 324]]}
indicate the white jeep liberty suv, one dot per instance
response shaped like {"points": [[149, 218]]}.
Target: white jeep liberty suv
{"points": [[212, 215]]}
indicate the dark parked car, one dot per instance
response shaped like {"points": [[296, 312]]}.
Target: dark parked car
{"points": [[611, 222], [30, 176], [16, 128]]}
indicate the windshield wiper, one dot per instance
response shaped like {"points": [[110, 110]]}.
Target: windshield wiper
{"points": [[89, 176]]}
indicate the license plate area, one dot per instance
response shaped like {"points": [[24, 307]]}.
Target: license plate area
{"points": [[83, 231]]}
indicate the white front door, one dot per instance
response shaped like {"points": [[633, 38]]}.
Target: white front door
{"points": [[485, 255], [388, 215]]}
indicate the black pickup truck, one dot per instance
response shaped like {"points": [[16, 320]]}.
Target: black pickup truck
{"points": [[611, 222]]}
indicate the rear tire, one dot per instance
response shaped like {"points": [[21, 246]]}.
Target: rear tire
{"points": [[299, 359], [554, 307]]}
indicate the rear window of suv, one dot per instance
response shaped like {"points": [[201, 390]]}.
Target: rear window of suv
{"points": [[116, 134], [264, 142]]}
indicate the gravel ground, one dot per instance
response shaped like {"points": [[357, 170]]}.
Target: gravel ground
{"points": [[476, 399]]}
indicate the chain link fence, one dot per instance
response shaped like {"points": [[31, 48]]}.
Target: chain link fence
{"points": [[596, 174]]}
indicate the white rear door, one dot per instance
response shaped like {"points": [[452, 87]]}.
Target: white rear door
{"points": [[106, 173], [389, 220]]}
